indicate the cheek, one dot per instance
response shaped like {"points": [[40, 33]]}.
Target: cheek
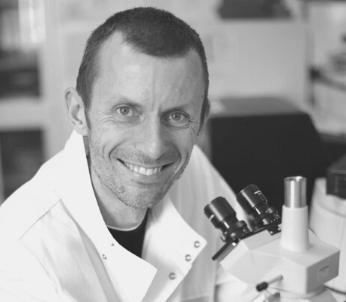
{"points": [[106, 136], [193, 134], [101, 143], [185, 151], [185, 142]]}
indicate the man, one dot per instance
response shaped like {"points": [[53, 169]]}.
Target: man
{"points": [[118, 214]]}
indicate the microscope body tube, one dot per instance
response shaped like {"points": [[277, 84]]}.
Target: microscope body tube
{"points": [[295, 220]]}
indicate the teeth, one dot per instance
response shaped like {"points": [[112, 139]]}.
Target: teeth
{"points": [[142, 170]]}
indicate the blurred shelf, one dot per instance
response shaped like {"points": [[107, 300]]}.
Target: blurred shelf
{"points": [[22, 113]]}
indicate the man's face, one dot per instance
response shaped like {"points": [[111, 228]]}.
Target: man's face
{"points": [[144, 118]]}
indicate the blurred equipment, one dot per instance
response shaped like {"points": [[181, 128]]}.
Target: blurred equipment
{"points": [[328, 217], [262, 141], [291, 265], [253, 9]]}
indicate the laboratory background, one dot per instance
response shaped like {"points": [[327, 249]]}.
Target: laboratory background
{"points": [[277, 84]]}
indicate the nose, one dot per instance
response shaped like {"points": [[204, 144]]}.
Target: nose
{"points": [[152, 139]]}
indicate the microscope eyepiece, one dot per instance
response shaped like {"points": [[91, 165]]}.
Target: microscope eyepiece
{"points": [[224, 218], [220, 213], [252, 199], [256, 206]]}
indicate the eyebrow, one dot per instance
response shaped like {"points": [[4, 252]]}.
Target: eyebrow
{"points": [[178, 108], [123, 100], [126, 100]]}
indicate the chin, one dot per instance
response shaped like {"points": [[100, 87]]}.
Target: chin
{"points": [[142, 200]]}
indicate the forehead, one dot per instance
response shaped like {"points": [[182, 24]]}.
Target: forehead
{"points": [[119, 65]]}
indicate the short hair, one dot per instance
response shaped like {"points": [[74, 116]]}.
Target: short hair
{"points": [[149, 30]]}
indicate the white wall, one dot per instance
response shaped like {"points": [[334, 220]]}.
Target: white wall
{"points": [[265, 58]]}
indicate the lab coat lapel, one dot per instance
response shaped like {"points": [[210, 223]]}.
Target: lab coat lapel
{"points": [[171, 245]]}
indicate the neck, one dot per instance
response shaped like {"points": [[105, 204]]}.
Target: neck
{"points": [[115, 213]]}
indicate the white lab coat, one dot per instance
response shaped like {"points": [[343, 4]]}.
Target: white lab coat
{"points": [[55, 245]]}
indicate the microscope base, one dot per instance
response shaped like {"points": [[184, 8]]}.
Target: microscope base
{"points": [[260, 257], [324, 296]]}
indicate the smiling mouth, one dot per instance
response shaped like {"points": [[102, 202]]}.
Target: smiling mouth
{"points": [[143, 170]]}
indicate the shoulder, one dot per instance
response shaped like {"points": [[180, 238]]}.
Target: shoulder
{"points": [[27, 205], [201, 182]]}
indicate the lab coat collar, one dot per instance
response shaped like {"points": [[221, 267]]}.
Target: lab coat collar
{"points": [[170, 244], [74, 187]]}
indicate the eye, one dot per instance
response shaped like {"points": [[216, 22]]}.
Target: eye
{"points": [[124, 110], [126, 113], [178, 119]]}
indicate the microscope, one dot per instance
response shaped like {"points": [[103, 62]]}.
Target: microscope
{"points": [[280, 257]]}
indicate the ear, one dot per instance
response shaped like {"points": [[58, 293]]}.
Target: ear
{"points": [[76, 111]]}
